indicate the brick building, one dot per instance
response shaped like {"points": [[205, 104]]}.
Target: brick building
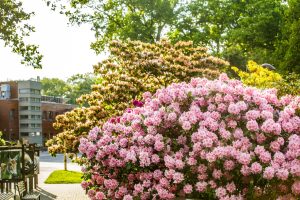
{"points": [[26, 114]]}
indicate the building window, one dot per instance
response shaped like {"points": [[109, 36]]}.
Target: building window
{"points": [[23, 107], [24, 125], [29, 91], [35, 100], [35, 116], [24, 134], [35, 125], [23, 99], [24, 117], [37, 108], [24, 91], [50, 115], [12, 114], [44, 114], [35, 91]]}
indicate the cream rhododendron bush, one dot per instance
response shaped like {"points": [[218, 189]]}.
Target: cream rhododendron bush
{"points": [[204, 140]]}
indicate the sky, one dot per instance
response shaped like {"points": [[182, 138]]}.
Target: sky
{"points": [[66, 48]]}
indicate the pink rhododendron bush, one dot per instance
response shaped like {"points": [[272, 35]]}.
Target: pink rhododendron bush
{"points": [[203, 140]]}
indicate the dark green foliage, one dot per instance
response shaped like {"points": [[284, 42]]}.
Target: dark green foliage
{"points": [[289, 46], [142, 20], [13, 29], [266, 31], [71, 89], [290, 84], [2, 141], [54, 87]]}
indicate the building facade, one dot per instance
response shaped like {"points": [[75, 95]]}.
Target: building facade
{"points": [[26, 114]]}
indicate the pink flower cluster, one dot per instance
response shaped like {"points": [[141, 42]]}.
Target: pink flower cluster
{"points": [[204, 139]]}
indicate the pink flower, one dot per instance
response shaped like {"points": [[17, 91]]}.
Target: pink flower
{"points": [[155, 158], [201, 186], [252, 115], [282, 174], [238, 133], [111, 184], [207, 142], [233, 109], [127, 197], [221, 192], [84, 184], [178, 177], [172, 116], [186, 126], [217, 174], [252, 125], [256, 168], [275, 146], [279, 157], [91, 193], [269, 173], [138, 188], [229, 165], [188, 189], [100, 196], [230, 187], [265, 157], [296, 188], [158, 145], [244, 158]]}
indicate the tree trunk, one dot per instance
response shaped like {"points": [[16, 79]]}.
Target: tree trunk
{"points": [[159, 30], [65, 156], [65, 161]]}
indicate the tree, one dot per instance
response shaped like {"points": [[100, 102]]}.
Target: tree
{"points": [[142, 20], [289, 46], [54, 87], [132, 69], [239, 30], [207, 22], [73, 88], [257, 30], [13, 29], [80, 84]]}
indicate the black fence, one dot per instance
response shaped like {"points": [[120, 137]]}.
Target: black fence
{"points": [[19, 164]]}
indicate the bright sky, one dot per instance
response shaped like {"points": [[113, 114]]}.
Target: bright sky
{"points": [[66, 48]]}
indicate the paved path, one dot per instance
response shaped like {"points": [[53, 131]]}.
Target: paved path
{"points": [[58, 191]]}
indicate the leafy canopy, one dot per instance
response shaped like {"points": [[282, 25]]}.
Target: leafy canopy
{"points": [[73, 88], [142, 20], [13, 29], [240, 30]]}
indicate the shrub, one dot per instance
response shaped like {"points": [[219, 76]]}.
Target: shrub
{"points": [[290, 84], [258, 76], [2, 141], [132, 69], [204, 139], [261, 77]]}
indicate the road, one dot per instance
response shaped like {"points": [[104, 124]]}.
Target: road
{"points": [[58, 191]]}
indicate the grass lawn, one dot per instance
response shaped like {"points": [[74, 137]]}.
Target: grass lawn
{"points": [[63, 177]]}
